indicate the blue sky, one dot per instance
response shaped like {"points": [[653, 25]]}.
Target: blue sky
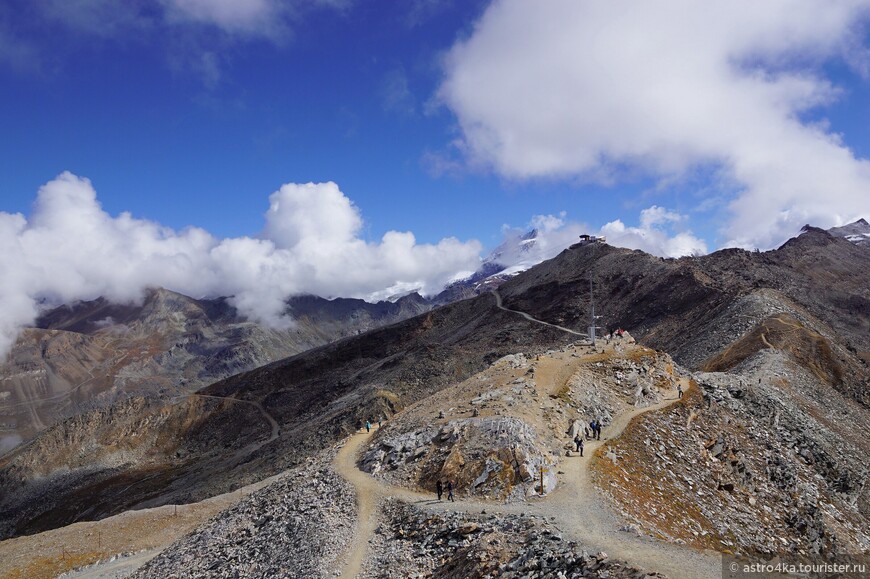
{"points": [[347, 97], [671, 126], [345, 92]]}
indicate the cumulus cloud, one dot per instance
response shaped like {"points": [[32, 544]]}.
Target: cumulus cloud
{"points": [[552, 234], [659, 232], [573, 88], [70, 249]]}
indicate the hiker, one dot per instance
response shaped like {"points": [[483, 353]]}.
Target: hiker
{"points": [[439, 488], [680, 391], [450, 490], [368, 426], [598, 426], [592, 427], [578, 440]]}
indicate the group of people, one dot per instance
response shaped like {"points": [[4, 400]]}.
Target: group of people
{"points": [[595, 425], [439, 488], [593, 434]]}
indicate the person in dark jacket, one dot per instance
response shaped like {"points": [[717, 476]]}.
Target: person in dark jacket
{"points": [[439, 488], [450, 490]]}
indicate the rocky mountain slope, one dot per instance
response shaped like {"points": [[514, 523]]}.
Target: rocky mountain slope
{"points": [[772, 337], [696, 308], [316, 397], [90, 354], [857, 232]]}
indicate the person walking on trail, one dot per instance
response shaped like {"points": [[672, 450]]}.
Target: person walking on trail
{"points": [[450, 491], [439, 488], [368, 426], [680, 391], [579, 442]]}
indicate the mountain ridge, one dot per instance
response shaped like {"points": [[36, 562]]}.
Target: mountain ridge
{"points": [[694, 308]]}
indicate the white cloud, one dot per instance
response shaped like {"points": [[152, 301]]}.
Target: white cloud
{"points": [[572, 88], [659, 233], [250, 17], [655, 234], [546, 223], [70, 249]]}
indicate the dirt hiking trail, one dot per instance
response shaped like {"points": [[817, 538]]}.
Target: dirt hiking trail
{"points": [[576, 507]]}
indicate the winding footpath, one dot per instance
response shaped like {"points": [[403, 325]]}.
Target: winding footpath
{"points": [[273, 424], [499, 305], [576, 507]]}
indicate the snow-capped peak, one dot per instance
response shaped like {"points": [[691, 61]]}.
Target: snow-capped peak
{"points": [[857, 232]]}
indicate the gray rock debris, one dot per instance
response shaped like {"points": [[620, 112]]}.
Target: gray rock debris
{"points": [[296, 527], [415, 543]]}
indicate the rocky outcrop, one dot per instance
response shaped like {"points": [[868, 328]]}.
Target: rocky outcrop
{"points": [[493, 457]]}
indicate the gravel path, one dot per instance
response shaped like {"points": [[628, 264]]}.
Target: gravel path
{"points": [[576, 508], [499, 305]]}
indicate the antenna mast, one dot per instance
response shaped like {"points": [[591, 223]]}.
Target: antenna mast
{"points": [[592, 313]]}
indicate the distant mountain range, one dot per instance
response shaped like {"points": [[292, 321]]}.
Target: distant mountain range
{"points": [[88, 354]]}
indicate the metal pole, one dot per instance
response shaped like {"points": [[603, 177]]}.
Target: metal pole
{"points": [[592, 319]]}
